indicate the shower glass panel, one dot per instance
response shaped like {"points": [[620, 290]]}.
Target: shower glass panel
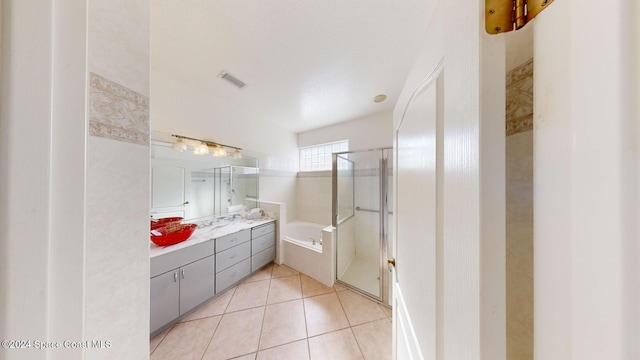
{"points": [[360, 218], [235, 186], [222, 189]]}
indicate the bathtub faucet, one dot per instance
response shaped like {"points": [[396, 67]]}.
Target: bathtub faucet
{"points": [[313, 241], [320, 239]]}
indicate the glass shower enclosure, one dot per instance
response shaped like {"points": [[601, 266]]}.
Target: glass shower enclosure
{"points": [[361, 217], [235, 186]]}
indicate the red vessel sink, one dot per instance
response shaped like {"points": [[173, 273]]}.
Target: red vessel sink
{"points": [[172, 233], [156, 223]]}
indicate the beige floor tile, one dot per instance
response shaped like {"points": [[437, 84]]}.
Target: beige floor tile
{"points": [[249, 295], [262, 274], [336, 345], [386, 310], [156, 340], [187, 340], [312, 287], [339, 287], [324, 314], [284, 289], [359, 309], [374, 339], [298, 350], [238, 334], [215, 307], [283, 323], [282, 271], [246, 357]]}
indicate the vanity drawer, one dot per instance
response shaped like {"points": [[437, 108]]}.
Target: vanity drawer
{"points": [[261, 243], [231, 240], [263, 229], [230, 276], [263, 258], [232, 256], [173, 260]]}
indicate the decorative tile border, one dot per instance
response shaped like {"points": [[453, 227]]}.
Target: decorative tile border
{"points": [[314, 174], [328, 173], [520, 99], [117, 112], [277, 173]]}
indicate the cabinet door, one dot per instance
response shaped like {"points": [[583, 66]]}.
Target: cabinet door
{"points": [[196, 283], [165, 290]]}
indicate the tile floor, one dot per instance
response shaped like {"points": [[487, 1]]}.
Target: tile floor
{"points": [[279, 313]]}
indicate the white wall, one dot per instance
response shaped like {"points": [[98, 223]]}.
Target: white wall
{"points": [[175, 100], [279, 186], [81, 270], [313, 197], [586, 181], [25, 190], [117, 207], [379, 133], [313, 193]]}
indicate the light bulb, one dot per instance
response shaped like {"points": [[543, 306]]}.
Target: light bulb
{"points": [[201, 149], [219, 151], [237, 154], [179, 145]]}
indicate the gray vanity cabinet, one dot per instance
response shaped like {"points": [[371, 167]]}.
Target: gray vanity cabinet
{"points": [[263, 245], [183, 279], [165, 299], [196, 284], [232, 259], [180, 281]]}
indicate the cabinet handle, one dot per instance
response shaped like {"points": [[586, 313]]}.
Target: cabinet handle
{"points": [[182, 272], [235, 273], [234, 239], [234, 256], [175, 276]]}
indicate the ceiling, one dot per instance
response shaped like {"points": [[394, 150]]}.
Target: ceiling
{"points": [[307, 63]]}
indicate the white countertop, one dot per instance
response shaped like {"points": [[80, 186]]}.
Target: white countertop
{"points": [[208, 230]]}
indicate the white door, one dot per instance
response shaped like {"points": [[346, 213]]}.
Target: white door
{"points": [[448, 282], [169, 190], [416, 225]]}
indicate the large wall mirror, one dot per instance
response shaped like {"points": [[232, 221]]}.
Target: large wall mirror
{"points": [[196, 186]]}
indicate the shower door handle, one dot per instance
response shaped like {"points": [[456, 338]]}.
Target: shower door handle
{"points": [[392, 262]]}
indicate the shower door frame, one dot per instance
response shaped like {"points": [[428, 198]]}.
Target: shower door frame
{"points": [[383, 221]]}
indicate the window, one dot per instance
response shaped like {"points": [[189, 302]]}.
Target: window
{"points": [[318, 157]]}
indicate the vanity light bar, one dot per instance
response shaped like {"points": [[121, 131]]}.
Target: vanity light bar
{"points": [[208, 143]]}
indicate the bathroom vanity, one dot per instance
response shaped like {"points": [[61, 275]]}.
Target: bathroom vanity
{"points": [[215, 258]]}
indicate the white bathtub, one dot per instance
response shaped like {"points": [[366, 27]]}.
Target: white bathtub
{"points": [[305, 234], [299, 252]]}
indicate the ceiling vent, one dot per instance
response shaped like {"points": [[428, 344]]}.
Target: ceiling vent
{"points": [[225, 75]]}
